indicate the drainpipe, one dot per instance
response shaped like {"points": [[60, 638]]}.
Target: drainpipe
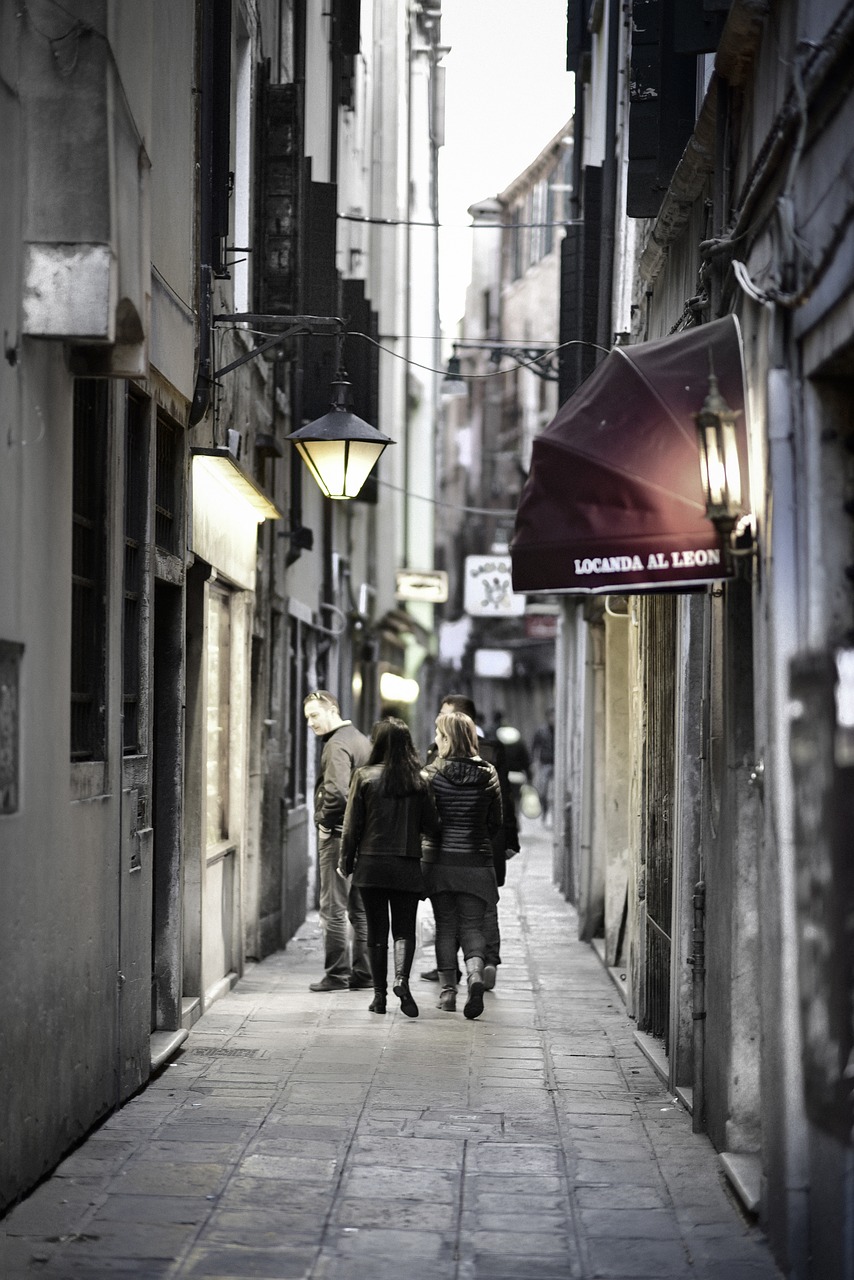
{"points": [[698, 962], [783, 583], [202, 392], [604, 335]]}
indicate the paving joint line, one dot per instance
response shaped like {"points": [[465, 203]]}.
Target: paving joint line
{"points": [[552, 1086]]}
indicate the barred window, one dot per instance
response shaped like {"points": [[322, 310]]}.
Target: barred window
{"points": [[539, 214], [136, 502], [298, 660], [167, 512], [88, 581]]}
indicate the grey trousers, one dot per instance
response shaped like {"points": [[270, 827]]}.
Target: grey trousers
{"points": [[341, 902]]}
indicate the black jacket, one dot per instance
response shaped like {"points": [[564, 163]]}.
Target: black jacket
{"points": [[506, 841], [376, 825], [468, 798]]}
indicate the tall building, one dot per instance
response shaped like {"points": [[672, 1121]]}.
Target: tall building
{"points": [[206, 207], [703, 776]]}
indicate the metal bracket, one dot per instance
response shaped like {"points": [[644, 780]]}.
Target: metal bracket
{"points": [[297, 326]]}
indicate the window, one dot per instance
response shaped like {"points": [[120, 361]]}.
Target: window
{"points": [[10, 725], [298, 668], [88, 580], [218, 715], [517, 215], [242, 168], [167, 512], [136, 496], [539, 215]]}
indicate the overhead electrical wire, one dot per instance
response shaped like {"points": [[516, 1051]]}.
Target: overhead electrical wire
{"points": [[453, 226]]}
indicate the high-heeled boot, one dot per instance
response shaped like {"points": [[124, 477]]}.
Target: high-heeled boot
{"points": [[378, 960], [474, 1004], [448, 991], [404, 950]]}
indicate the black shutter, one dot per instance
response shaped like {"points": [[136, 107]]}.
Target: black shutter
{"points": [[320, 292], [569, 367], [579, 306], [591, 266], [577, 33], [280, 167], [362, 362], [346, 33], [698, 25], [220, 131], [662, 110]]}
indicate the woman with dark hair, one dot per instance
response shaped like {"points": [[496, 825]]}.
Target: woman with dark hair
{"points": [[458, 866], [389, 809]]}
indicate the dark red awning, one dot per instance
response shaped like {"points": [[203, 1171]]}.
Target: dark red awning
{"points": [[614, 500]]}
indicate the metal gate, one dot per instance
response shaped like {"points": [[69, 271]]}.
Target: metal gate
{"points": [[658, 647]]}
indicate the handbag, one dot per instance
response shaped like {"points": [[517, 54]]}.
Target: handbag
{"points": [[529, 801]]}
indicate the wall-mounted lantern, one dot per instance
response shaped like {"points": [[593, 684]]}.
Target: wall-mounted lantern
{"points": [[719, 465], [453, 386]]}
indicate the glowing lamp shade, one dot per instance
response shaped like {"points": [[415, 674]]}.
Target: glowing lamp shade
{"points": [[339, 449], [395, 688], [719, 466]]}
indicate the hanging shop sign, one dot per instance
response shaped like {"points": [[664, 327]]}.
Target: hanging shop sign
{"points": [[489, 589]]}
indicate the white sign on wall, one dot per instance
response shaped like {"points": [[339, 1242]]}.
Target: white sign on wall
{"points": [[488, 588], [431, 586], [495, 664]]}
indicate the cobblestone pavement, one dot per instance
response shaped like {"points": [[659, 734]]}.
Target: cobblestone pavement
{"points": [[297, 1135]]}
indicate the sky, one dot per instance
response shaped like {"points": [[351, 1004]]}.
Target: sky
{"points": [[507, 95]]}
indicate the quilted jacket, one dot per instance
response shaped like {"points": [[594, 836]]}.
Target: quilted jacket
{"points": [[468, 798]]}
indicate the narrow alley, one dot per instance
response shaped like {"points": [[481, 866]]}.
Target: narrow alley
{"points": [[297, 1135]]}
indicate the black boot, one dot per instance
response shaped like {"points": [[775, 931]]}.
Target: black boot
{"points": [[474, 1004], [448, 992], [378, 958], [404, 950]]}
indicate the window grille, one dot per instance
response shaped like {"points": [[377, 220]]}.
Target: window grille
{"points": [[551, 212], [298, 667], [10, 725], [88, 581], [167, 510], [517, 214], [539, 206], [136, 489]]}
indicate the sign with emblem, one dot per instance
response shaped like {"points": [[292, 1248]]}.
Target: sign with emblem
{"points": [[488, 588]]}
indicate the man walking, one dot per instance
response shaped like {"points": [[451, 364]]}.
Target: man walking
{"points": [[344, 749]]}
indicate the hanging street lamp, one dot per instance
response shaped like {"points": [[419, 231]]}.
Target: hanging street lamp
{"points": [[340, 449]]}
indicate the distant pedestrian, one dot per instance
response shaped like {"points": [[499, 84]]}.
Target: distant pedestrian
{"points": [[505, 842], [344, 749], [389, 808], [458, 867], [516, 758], [543, 756]]}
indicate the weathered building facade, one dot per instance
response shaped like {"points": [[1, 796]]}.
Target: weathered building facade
{"points": [[183, 180], [507, 390], [704, 736]]}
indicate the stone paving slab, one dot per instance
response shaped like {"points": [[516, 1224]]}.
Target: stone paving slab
{"points": [[298, 1137]]}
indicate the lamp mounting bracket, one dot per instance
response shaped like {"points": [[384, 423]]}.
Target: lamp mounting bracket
{"points": [[540, 358], [294, 327]]}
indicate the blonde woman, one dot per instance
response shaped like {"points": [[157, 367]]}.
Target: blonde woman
{"points": [[458, 869]]}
